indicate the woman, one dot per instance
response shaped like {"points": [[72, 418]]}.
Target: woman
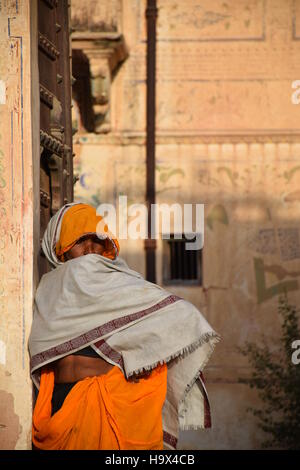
{"points": [[116, 358]]}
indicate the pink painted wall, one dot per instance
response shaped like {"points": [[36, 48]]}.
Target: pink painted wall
{"points": [[19, 221]]}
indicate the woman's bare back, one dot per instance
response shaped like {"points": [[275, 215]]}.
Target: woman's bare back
{"points": [[73, 368]]}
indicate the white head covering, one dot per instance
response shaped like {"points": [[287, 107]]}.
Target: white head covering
{"points": [[52, 234]]}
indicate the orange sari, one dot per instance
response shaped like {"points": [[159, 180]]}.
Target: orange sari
{"points": [[103, 412]]}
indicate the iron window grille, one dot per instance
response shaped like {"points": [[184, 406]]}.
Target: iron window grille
{"points": [[181, 266]]}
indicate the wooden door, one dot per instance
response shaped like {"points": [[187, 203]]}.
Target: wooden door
{"points": [[56, 166]]}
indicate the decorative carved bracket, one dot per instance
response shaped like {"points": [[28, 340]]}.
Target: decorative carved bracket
{"points": [[46, 96], [50, 143], [48, 47], [105, 52]]}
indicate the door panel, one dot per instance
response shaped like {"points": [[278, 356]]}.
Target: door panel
{"points": [[56, 165]]}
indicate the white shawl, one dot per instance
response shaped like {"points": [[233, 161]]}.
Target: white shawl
{"points": [[131, 323]]}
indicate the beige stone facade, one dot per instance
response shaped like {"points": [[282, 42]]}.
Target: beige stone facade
{"points": [[227, 136]]}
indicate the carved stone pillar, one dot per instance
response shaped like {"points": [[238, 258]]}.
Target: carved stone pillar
{"points": [[105, 51], [100, 76]]}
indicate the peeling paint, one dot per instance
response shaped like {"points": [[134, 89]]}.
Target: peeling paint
{"points": [[2, 92], [10, 428], [2, 352]]}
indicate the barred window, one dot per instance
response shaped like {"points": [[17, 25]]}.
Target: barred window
{"points": [[181, 266]]}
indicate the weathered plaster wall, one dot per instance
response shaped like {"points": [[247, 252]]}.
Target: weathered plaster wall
{"points": [[227, 136], [19, 221]]}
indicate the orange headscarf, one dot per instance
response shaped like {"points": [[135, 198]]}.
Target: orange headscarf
{"points": [[82, 219]]}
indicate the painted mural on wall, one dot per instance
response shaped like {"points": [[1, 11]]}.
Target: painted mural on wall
{"points": [[224, 70]]}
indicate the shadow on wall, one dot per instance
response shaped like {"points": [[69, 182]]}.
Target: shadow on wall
{"points": [[251, 255]]}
